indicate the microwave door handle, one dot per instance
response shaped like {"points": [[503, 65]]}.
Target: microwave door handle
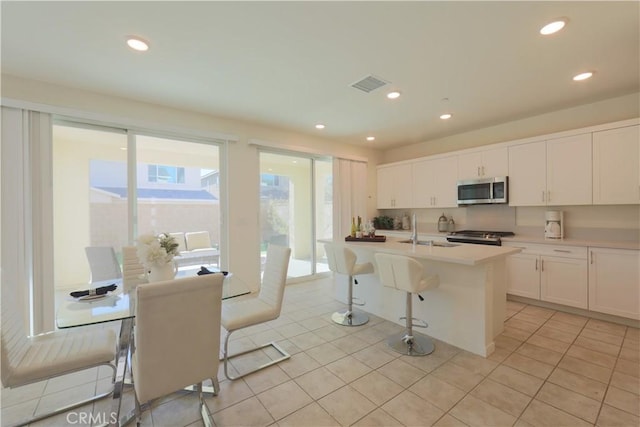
{"points": [[491, 191]]}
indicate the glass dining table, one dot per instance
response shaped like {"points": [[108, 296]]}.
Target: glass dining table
{"points": [[120, 306]]}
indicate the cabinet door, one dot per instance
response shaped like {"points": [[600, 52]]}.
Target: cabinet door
{"points": [[423, 184], [385, 188], [495, 162], [402, 186], [527, 174], [523, 275], [445, 190], [564, 281], [616, 166], [614, 282], [569, 171], [470, 166]]}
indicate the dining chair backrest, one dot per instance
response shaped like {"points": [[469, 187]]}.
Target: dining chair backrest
{"points": [[274, 277], [103, 263], [133, 272], [340, 259], [177, 339]]}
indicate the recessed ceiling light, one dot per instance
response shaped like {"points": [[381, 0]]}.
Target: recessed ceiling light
{"points": [[583, 76], [371, 138], [445, 116], [553, 27], [393, 95], [319, 126], [123, 148], [137, 43]]}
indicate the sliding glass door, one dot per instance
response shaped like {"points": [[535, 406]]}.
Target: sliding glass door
{"points": [[176, 184], [295, 207]]}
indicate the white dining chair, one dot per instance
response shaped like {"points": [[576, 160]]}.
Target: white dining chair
{"points": [[133, 272], [177, 332], [260, 308], [103, 263], [30, 359]]}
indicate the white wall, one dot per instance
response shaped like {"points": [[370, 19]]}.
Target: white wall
{"points": [[243, 167]]}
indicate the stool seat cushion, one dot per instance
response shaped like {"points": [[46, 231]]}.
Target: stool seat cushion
{"points": [[404, 273], [364, 268]]}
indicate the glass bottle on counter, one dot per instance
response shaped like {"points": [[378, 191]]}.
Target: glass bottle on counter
{"points": [[353, 226]]}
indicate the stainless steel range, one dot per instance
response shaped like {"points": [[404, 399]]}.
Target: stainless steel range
{"points": [[479, 237]]}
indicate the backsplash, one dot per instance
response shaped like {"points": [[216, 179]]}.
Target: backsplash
{"points": [[607, 222]]}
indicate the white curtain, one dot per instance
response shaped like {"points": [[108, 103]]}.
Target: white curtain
{"points": [[26, 256], [349, 194]]}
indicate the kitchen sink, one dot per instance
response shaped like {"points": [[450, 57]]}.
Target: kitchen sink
{"points": [[431, 243]]}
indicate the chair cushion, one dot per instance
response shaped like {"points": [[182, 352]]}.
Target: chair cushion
{"points": [[364, 268], [63, 351], [198, 240], [240, 314]]}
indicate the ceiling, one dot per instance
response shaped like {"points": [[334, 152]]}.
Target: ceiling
{"points": [[291, 64]]}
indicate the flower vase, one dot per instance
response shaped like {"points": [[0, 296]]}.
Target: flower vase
{"points": [[162, 272]]}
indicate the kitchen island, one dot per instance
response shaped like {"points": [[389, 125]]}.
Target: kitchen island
{"points": [[467, 309]]}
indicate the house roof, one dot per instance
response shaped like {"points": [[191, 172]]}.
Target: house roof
{"points": [[153, 193]]}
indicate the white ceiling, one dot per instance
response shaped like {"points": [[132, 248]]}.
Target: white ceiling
{"points": [[291, 64]]}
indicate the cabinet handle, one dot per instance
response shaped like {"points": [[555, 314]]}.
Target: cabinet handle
{"points": [[536, 265], [591, 261], [562, 250], [543, 195], [542, 265], [479, 171], [482, 170]]}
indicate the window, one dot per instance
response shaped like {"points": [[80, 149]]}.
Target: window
{"points": [[166, 174], [92, 180]]}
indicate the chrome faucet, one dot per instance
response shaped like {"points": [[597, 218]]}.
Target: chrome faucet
{"points": [[414, 229]]}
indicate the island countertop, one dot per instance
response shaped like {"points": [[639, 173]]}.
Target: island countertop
{"points": [[461, 253]]}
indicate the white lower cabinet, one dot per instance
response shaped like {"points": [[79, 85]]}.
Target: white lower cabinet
{"points": [[564, 280], [550, 273], [614, 281], [523, 275]]}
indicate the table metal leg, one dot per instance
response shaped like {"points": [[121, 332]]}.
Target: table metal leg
{"points": [[122, 358]]}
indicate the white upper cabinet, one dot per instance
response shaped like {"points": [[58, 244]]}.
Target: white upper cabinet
{"points": [[569, 177], [434, 183], [616, 166], [555, 172], [394, 186], [484, 164], [528, 174]]}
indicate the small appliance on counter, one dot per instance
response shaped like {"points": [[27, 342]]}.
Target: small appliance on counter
{"points": [[554, 225], [443, 223]]}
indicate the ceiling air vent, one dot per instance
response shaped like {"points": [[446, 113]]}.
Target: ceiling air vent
{"points": [[369, 84]]}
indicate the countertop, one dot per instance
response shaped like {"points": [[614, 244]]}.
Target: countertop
{"points": [[524, 238], [462, 253]]}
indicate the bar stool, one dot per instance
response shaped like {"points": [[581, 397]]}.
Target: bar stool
{"points": [[343, 260], [407, 274]]}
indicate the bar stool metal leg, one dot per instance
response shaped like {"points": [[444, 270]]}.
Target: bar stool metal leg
{"points": [[349, 317], [405, 342]]}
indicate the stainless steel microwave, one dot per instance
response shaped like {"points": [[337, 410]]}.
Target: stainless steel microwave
{"points": [[483, 191]]}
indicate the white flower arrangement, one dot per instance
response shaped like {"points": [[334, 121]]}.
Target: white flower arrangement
{"points": [[156, 250]]}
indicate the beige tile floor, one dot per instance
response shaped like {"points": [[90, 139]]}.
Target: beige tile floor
{"points": [[550, 368]]}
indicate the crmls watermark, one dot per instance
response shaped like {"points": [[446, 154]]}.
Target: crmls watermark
{"points": [[89, 418]]}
